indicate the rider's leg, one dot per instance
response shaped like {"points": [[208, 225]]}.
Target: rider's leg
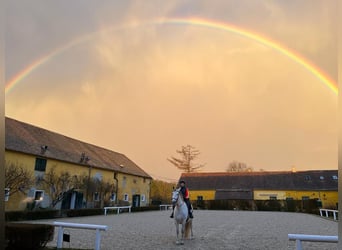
{"points": [[189, 208]]}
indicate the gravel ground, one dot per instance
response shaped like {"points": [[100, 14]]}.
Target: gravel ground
{"points": [[212, 230]]}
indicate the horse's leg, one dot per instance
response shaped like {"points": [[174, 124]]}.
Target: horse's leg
{"points": [[183, 231], [177, 232]]}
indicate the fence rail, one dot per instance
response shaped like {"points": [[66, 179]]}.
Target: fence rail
{"points": [[314, 238], [326, 212], [62, 225], [165, 206], [117, 208]]}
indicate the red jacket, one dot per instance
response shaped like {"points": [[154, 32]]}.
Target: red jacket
{"points": [[185, 192]]}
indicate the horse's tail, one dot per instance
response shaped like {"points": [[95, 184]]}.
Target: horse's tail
{"points": [[188, 228]]}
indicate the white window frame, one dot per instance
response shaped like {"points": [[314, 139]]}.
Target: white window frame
{"points": [[126, 197], [7, 194], [35, 194], [113, 197]]}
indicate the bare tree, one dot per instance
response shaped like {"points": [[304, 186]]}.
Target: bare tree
{"points": [[186, 161], [17, 178], [102, 188], [57, 184], [236, 166], [161, 190]]}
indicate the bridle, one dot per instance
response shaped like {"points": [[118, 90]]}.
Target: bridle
{"points": [[176, 201]]}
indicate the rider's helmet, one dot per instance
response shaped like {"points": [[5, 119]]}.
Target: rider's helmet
{"points": [[181, 181]]}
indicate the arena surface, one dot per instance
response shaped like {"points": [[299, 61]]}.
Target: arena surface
{"points": [[212, 230]]}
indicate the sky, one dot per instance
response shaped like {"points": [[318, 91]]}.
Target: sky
{"points": [[145, 78]]}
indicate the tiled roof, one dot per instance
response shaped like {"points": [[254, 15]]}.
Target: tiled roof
{"points": [[276, 180], [26, 138]]}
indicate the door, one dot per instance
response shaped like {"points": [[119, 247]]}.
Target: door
{"points": [[136, 200]]}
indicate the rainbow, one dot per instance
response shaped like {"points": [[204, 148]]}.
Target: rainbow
{"points": [[313, 69]]}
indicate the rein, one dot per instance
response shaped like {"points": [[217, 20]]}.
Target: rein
{"points": [[182, 202]]}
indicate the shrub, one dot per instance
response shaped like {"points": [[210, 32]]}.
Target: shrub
{"points": [[268, 205], [83, 212], [31, 215], [28, 236], [143, 209]]}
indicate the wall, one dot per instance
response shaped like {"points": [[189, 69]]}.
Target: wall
{"points": [[206, 194], [267, 194], [328, 198], [132, 185]]}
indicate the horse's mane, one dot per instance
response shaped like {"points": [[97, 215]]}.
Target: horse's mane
{"points": [[180, 193]]}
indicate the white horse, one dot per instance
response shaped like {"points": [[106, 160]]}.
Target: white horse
{"points": [[181, 216]]}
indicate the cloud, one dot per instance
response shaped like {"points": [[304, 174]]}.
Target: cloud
{"points": [[146, 91]]}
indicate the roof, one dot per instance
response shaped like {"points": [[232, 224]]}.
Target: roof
{"points": [[29, 139], [275, 180]]}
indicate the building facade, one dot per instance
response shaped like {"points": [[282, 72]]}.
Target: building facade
{"points": [[321, 185], [68, 173]]}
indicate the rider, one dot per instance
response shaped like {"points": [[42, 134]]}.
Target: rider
{"points": [[185, 192]]}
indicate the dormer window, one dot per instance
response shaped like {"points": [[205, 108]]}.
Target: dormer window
{"points": [[321, 178], [334, 177], [307, 177]]}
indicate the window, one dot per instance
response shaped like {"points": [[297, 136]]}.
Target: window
{"points": [[289, 198], [38, 195], [307, 177], [334, 177], [304, 198], [124, 181], [98, 176], [96, 196], [134, 181], [113, 197], [272, 197], [200, 198], [321, 178], [7, 193], [40, 164], [126, 197], [143, 197]]}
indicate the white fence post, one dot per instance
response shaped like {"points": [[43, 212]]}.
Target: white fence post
{"points": [[98, 240], [326, 211], [62, 225], [60, 237], [298, 245]]}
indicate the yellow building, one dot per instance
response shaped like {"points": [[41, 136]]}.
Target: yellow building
{"points": [[68, 173], [280, 185]]}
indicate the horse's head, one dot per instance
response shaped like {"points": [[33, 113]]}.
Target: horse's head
{"points": [[175, 195]]}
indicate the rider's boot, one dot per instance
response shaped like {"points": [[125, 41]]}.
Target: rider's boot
{"points": [[190, 215], [171, 216]]}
